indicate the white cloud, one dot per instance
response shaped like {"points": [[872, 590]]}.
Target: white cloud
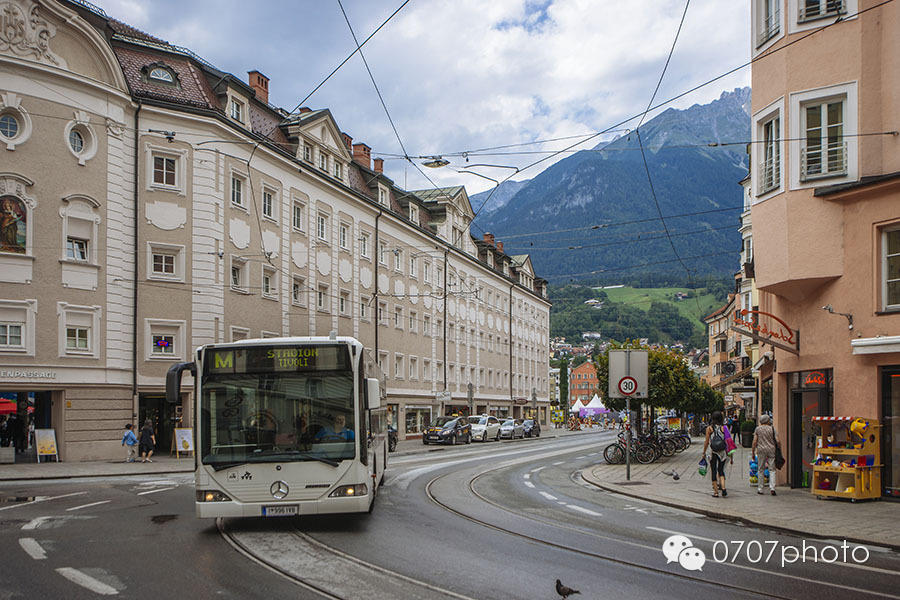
{"points": [[466, 74]]}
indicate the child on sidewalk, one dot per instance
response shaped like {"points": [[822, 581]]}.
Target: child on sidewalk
{"points": [[130, 441]]}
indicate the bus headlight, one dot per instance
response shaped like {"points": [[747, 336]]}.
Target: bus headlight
{"points": [[212, 496], [346, 491]]}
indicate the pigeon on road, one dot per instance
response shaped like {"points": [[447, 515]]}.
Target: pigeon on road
{"points": [[673, 474], [564, 591]]}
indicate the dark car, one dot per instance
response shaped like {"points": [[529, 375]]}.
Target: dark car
{"points": [[532, 428], [448, 430]]}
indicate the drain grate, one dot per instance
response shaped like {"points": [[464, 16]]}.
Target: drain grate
{"points": [[631, 483]]}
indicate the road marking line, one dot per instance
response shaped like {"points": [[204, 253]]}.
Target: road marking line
{"points": [[86, 581], [529, 484], [538, 469], [43, 499], [547, 495], [526, 476], [558, 463], [580, 457], [560, 502], [843, 564], [643, 511], [88, 505], [154, 491], [33, 549], [584, 510], [35, 523]]}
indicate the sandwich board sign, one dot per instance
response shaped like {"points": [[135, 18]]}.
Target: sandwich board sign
{"points": [[45, 440]]}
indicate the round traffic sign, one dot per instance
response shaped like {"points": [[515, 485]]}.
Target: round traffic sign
{"points": [[627, 385]]}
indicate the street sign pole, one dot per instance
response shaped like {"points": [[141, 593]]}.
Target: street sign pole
{"points": [[628, 425]]}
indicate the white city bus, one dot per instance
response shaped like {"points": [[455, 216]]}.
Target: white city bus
{"points": [[285, 426]]}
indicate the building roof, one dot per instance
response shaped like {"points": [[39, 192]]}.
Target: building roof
{"points": [[444, 192]]}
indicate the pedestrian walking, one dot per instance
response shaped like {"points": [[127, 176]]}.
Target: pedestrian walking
{"points": [[763, 448], [17, 427], [148, 441], [715, 441], [129, 440]]}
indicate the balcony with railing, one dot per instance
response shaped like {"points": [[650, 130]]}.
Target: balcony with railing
{"points": [[769, 174], [817, 162], [810, 10], [770, 27]]}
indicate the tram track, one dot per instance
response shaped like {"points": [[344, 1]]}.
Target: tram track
{"points": [[705, 581], [380, 581]]}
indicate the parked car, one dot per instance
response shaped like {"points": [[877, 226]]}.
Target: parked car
{"points": [[485, 427], [532, 428], [448, 430], [512, 429]]}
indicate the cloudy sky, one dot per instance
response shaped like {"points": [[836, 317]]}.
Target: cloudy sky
{"points": [[463, 75]]}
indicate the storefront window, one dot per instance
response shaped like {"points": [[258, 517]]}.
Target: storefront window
{"points": [[417, 419], [766, 398]]}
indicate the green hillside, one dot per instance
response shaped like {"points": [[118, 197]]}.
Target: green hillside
{"points": [[627, 312], [691, 308]]}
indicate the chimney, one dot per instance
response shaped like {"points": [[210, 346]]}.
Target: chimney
{"points": [[489, 238], [500, 246], [260, 85], [379, 165], [348, 141], [363, 155]]}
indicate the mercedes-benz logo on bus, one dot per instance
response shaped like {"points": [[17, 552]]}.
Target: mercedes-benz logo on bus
{"points": [[279, 490]]}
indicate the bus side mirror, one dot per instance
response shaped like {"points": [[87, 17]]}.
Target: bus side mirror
{"points": [[374, 393], [173, 380]]}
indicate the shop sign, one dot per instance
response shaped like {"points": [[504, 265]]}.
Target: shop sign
{"points": [[815, 378], [27, 374], [520, 401], [766, 328]]}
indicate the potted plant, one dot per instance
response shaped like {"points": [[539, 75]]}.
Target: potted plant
{"points": [[747, 429]]}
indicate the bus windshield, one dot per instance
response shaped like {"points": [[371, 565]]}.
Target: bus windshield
{"points": [[254, 409]]}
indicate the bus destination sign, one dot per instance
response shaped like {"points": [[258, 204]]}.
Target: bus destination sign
{"points": [[277, 359]]}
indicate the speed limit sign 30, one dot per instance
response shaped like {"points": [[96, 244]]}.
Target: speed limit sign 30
{"points": [[627, 385]]}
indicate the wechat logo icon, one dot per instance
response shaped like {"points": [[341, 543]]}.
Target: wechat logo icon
{"points": [[680, 549]]}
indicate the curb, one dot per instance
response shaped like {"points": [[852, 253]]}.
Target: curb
{"points": [[730, 517]]}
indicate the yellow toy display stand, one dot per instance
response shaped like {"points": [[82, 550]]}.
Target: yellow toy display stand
{"points": [[848, 458]]}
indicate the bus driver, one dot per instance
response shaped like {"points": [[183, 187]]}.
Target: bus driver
{"points": [[338, 430]]}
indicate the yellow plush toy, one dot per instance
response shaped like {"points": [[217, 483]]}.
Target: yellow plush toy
{"points": [[859, 427]]}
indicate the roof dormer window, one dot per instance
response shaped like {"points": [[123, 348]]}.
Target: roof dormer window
{"points": [[161, 74], [237, 111]]}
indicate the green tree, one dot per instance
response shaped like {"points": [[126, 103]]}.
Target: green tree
{"points": [[671, 385], [564, 384]]}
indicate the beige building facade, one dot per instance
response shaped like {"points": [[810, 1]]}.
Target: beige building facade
{"points": [[192, 211], [825, 184]]}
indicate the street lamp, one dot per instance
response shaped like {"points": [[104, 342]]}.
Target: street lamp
{"points": [[436, 162]]}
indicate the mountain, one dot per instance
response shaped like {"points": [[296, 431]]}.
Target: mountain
{"points": [[504, 193], [593, 215]]}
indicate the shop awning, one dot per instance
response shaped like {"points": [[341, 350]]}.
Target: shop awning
{"points": [[739, 375]]}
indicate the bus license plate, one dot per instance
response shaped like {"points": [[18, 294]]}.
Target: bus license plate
{"points": [[288, 510]]}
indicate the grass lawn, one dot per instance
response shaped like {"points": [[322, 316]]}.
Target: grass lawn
{"points": [[692, 308]]}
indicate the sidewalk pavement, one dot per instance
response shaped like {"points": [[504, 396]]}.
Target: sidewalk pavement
{"points": [[794, 510], [66, 470]]}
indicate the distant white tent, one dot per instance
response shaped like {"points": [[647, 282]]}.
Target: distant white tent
{"points": [[594, 407], [576, 407], [595, 402]]}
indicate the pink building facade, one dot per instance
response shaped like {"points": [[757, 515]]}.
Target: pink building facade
{"points": [[825, 189]]}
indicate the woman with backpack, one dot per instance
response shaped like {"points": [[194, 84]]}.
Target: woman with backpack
{"points": [[715, 441]]}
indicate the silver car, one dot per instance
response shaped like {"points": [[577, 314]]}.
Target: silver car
{"points": [[484, 428], [512, 429]]}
